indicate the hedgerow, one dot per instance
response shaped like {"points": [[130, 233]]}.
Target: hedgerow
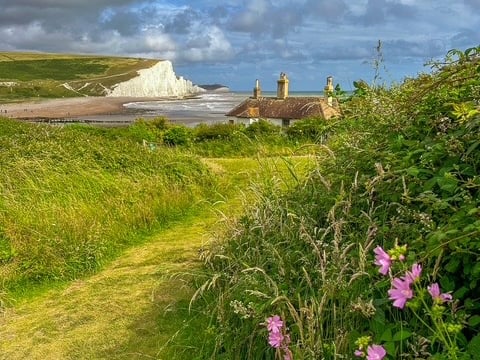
{"points": [[295, 276]]}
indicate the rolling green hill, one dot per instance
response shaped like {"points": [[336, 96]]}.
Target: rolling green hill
{"points": [[38, 75]]}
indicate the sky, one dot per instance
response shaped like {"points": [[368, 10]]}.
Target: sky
{"points": [[234, 42]]}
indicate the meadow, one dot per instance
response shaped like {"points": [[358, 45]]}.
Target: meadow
{"points": [[72, 197], [75, 199]]}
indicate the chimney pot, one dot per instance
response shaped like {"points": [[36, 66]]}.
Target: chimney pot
{"points": [[257, 91], [282, 86]]}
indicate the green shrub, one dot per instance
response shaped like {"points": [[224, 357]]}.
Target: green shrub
{"points": [[312, 129], [142, 130], [177, 135], [219, 131], [262, 128], [159, 122]]}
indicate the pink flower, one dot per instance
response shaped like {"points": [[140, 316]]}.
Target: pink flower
{"points": [[275, 339], [383, 260], [274, 324], [413, 275], [437, 296], [359, 353], [400, 292], [376, 352]]}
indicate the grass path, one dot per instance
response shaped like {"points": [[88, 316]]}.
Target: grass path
{"points": [[123, 311], [101, 316]]}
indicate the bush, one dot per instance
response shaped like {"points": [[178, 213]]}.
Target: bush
{"points": [[312, 129], [204, 132], [160, 123], [142, 130], [262, 128], [177, 135]]}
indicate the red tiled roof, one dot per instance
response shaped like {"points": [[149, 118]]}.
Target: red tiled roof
{"points": [[289, 108]]}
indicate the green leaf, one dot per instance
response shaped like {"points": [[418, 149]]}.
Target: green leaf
{"points": [[402, 335], [390, 348], [452, 265], [460, 293], [473, 346], [413, 171], [387, 335], [476, 270], [472, 147], [447, 183], [474, 320], [447, 283], [474, 210]]}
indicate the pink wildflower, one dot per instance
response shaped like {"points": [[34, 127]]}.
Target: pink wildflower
{"points": [[376, 352], [413, 275], [383, 260], [436, 294], [274, 324], [275, 339], [359, 353], [400, 292]]}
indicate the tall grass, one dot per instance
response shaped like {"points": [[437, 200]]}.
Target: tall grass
{"points": [[73, 197], [400, 167], [285, 256]]}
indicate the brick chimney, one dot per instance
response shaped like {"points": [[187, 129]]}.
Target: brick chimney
{"points": [[282, 86], [329, 90], [257, 91]]}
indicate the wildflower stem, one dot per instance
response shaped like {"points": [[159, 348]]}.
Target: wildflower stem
{"points": [[439, 331], [423, 321]]}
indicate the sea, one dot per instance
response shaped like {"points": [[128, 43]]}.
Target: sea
{"points": [[209, 107]]}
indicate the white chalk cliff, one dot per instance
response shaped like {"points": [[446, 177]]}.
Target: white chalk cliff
{"points": [[158, 81]]}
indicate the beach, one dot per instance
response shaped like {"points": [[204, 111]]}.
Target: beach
{"points": [[117, 111], [72, 109]]}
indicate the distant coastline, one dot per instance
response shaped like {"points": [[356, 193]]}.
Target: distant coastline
{"points": [[208, 107]]}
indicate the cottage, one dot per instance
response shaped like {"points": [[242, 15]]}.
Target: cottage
{"points": [[284, 109]]}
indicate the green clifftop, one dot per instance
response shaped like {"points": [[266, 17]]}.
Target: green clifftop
{"points": [[38, 75]]}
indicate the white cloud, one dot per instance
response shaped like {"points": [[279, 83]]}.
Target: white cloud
{"points": [[209, 44], [261, 34], [158, 42]]}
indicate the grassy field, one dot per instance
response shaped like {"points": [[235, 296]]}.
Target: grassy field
{"points": [[100, 235], [33, 75], [73, 197]]}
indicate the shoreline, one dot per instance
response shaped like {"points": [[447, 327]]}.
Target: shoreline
{"points": [[103, 111], [66, 108]]}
